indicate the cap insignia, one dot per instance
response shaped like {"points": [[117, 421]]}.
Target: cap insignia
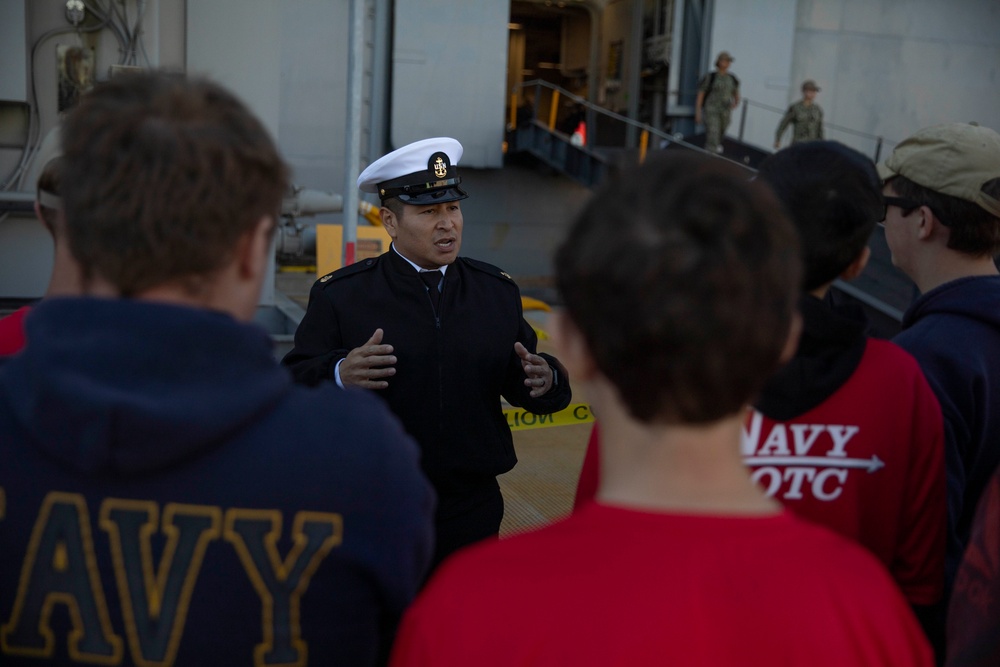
{"points": [[440, 168], [506, 275], [326, 277], [438, 164]]}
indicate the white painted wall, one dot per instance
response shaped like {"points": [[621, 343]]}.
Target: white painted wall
{"points": [[760, 35], [449, 80], [313, 92], [13, 54], [239, 46], [886, 67], [889, 68]]}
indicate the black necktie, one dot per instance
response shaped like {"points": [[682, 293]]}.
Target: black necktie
{"points": [[432, 279]]}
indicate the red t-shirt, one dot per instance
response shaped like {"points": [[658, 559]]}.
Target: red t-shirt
{"points": [[12, 331], [615, 586], [590, 473], [867, 462]]}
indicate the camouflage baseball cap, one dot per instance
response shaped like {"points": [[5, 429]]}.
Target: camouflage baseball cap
{"points": [[954, 159], [724, 55], [809, 84]]}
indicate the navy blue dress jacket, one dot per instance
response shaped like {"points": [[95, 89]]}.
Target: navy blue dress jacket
{"points": [[452, 365]]}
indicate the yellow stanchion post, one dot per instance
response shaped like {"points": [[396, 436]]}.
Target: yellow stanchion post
{"points": [[643, 145], [554, 109], [329, 245]]}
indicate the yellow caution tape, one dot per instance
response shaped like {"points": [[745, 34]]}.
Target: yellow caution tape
{"points": [[531, 303], [519, 419], [540, 333]]}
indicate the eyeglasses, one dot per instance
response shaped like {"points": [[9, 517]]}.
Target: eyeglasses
{"points": [[906, 205]]}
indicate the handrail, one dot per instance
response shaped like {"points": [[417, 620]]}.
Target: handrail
{"points": [[559, 92], [579, 100], [879, 140], [839, 128], [647, 130]]}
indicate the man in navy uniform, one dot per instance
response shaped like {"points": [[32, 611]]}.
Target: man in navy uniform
{"points": [[440, 337]]}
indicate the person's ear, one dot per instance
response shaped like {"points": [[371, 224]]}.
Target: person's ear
{"points": [[855, 268], [571, 347], [792, 342], [254, 249], [928, 223], [41, 219], [389, 222]]}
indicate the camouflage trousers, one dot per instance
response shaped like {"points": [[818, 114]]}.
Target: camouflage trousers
{"points": [[716, 122]]}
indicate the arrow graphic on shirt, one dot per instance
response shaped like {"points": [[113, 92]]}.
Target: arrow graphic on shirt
{"points": [[871, 465]]}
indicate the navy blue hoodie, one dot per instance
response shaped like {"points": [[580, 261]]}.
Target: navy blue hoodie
{"points": [[954, 333], [169, 496]]}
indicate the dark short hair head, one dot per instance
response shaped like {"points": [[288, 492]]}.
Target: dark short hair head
{"points": [[396, 205], [972, 230], [162, 175], [682, 276], [834, 197]]}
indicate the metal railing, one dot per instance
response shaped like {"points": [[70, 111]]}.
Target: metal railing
{"points": [[541, 116], [545, 98], [876, 143]]}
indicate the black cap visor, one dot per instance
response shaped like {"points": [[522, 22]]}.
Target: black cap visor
{"points": [[421, 194]]}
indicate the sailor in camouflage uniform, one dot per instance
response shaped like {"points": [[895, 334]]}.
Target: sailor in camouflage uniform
{"points": [[805, 117], [718, 95]]}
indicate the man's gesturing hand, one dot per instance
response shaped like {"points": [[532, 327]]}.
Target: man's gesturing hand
{"points": [[537, 369], [365, 366]]}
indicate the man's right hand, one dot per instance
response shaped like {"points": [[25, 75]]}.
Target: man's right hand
{"points": [[365, 366]]}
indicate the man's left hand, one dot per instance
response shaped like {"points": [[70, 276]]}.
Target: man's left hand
{"points": [[537, 369]]}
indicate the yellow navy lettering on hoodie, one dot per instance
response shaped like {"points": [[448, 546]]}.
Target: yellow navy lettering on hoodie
{"points": [[279, 582], [61, 568], [155, 598]]}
